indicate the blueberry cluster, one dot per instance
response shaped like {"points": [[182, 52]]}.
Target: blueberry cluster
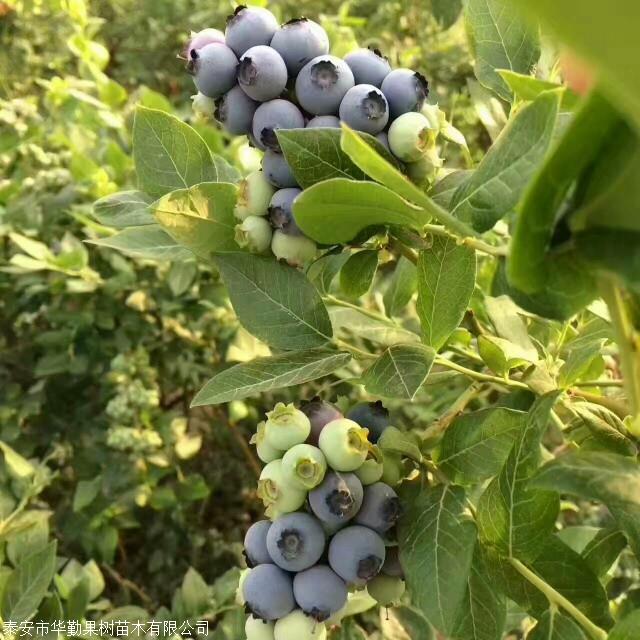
{"points": [[331, 520], [259, 77]]}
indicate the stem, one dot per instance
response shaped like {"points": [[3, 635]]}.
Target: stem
{"points": [[476, 375], [617, 406], [354, 350], [403, 250], [371, 314], [474, 243], [443, 422], [599, 383], [559, 600]]}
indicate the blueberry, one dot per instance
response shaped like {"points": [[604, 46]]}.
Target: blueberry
{"points": [[286, 426], [405, 91], [371, 415], [276, 493], [304, 466], [299, 41], [214, 69], [249, 27], [254, 233], [234, 110], [409, 136], [369, 66], [262, 73], [385, 590], [324, 122], [202, 39], [254, 195], [256, 629], [356, 554], [295, 250], [344, 444], [296, 541], [392, 566], [268, 592], [319, 592], [319, 414], [274, 115], [203, 105], [281, 211], [372, 468], [239, 599], [380, 508], [338, 499], [277, 170], [322, 83], [364, 108], [383, 139], [255, 543], [298, 626], [265, 451]]}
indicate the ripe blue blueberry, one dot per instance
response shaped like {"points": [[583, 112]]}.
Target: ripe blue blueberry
{"points": [[256, 629], [277, 170], [392, 566], [249, 27], [262, 73], [254, 195], [324, 122], [338, 499], [255, 543], [234, 111], [254, 233], [319, 414], [200, 39], [322, 83], [319, 592], [344, 444], [299, 41], [295, 250], [364, 108], [369, 66], [371, 415], [281, 211], [380, 508], [298, 626], [405, 91], [274, 115], [296, 541], [214, 69], [410, 136], [268, 592], [356, 554]]}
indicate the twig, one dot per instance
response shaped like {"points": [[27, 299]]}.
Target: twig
{"points": [[476, 375], [618, 407], [600, 383], [443, 422], [127, 585]]}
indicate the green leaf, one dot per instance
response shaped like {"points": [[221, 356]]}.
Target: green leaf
{"points": [[509, 325], [604, 427], [180, 277], [496, 186], [446, 279], [501, 355], [265, 374], [17, 466], [28, 584], [315, 155], [402, 285], [437, 540], [528, 88], [150, 242], [323, 271], [411, 621], [627, 628], [358, 272], [554, 625], [399, 372], [399, 442], [86, 492], [200, 218], [476, 445], [580, 352], [446, 12], [335, 211], [195, 593], [274, 302], [512, 517], [501, 40], [349, 322], [603, 550], [124, 209], [529, 267], [32, 536], [605, 43], [611, 479], [443, 191], [170, 155]]}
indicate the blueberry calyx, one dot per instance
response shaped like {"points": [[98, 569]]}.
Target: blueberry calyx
{"points": [[290, 544], [374, 105], [369, 567], [231, 17], [339, 502], [269, 139], [247, 71], [391, 510], [324, 74], [422, 86]]}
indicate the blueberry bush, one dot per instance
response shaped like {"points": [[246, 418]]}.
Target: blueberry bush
{"points": [[412, 281]]}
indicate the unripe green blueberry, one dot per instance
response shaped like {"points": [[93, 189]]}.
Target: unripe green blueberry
{"points": [[304, 466], [296, 250], [254, 195], [254, 233], [409, 136], [371, 470], [286, 427], [256, 629], [239, 595], [298, 626], [278, 496], [203, 106], [386, 590], [265, 451], [344, 444]]}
